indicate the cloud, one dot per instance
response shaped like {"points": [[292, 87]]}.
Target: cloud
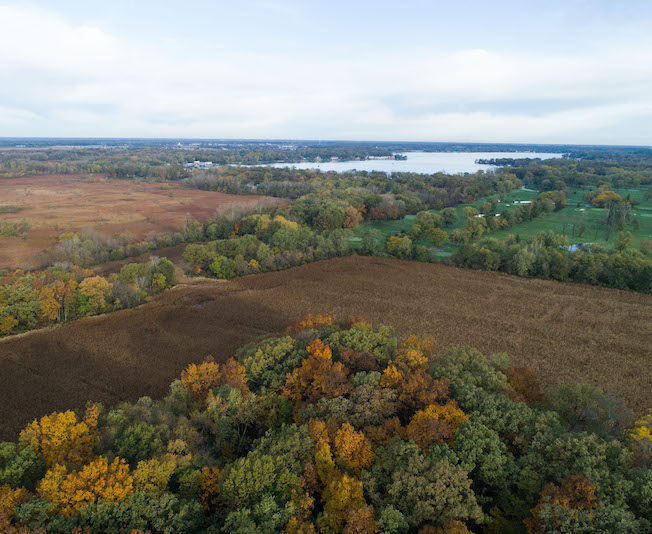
{"points": [[67, 79]]}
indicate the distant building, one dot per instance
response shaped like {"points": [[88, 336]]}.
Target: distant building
{"points": [[198, 165]]}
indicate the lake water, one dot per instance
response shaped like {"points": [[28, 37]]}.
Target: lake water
{"points": [[421, 162]]}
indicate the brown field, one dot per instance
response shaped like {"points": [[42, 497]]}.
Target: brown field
{"points": [[54, 204], [562, 331]]}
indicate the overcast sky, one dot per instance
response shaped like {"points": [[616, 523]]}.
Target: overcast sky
{"points": [[567, 71]]}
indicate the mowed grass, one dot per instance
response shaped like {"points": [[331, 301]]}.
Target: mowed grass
{"points": [[560, 222], [562, 331]]}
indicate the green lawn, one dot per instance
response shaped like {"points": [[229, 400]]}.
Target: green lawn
{"points": [[561, 221]]}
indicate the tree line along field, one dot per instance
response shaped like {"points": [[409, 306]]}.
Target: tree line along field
{"points": [[575, 212], [56, 204], [561, 331]]}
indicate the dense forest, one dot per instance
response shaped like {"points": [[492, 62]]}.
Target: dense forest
{"points": [[338, 427]]}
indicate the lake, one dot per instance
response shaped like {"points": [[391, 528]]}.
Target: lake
{"points": [[421, 162]]}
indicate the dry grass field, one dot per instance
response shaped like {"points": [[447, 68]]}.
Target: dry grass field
{"points": [[562, 331], [54, 204]]}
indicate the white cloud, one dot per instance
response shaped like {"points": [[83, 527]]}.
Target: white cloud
{"points": [[64, 79]]}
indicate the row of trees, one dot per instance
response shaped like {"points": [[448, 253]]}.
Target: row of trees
{"points": [[548, 255], [58, 294], [285, 245], [337, 428]]}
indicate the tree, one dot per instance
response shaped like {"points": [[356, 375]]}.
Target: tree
{"points": [[435, 424], [49, 305], [624, 241], [449, 216], [210, 488], [641, 438], [437, 236], [96, 289], [352, 217], [606, 197], [153, 475], [200, 379], [195, 255], [372, 243], [427, 491], [317, 377], [352, 449], [69, 493], [563, 507], [342, 495], [401, 247], [361, 521], [62, 437], [9, 499]]}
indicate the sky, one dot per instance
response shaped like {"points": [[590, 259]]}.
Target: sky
{"points": [[571, 71]]}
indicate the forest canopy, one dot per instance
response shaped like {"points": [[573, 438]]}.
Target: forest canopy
{"points": [[338, 427]]}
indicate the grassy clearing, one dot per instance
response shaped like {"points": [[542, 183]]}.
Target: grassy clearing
{"points": [[561, 222], [577, 211]]}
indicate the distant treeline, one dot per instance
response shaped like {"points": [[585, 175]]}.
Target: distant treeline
{"points": [[164, 159]]}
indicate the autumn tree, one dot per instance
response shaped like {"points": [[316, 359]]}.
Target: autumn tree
{"points": [[318, 376], [641, 438], [70, 492], [435, 424], [9, 499], [62, 437], [342, 495], [352, 449], [568, 507], [49, 304], [201, 378], [96, 289], [210, 488]]}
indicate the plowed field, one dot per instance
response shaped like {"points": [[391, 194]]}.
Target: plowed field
{"points": [[562, 331]]}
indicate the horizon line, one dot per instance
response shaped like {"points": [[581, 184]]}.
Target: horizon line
{"points": [[279, 139]]}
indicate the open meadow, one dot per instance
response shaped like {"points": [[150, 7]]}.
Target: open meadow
{"points": [[562, 331], [54, 204]]}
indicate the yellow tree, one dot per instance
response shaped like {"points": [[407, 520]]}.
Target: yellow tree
{"points": [[96, 288], [641, 438], [153, 475], [341, 496], [324, 462], [7, 324], [200, 379], [352, 448], [69, 493], [61, 437], [49, 304], [210, 488], [9, 499]]}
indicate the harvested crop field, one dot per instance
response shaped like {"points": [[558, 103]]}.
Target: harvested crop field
{"points": [[54, 204], [562, 331]]}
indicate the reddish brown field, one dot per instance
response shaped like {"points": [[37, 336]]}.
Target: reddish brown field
{"points": [[54, 204], [562, 331]]}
